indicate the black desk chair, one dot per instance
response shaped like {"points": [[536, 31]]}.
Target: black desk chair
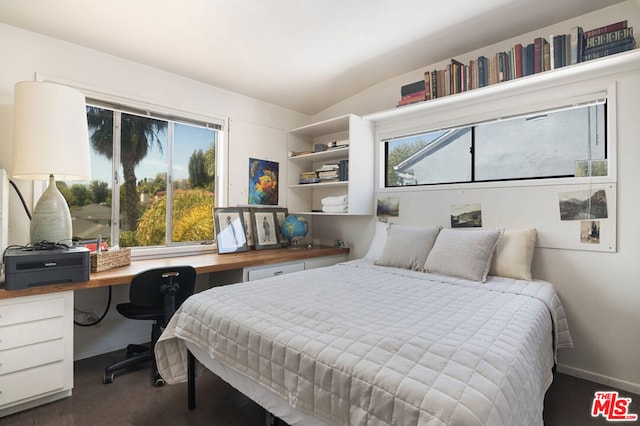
{"points": [[155, 295]]}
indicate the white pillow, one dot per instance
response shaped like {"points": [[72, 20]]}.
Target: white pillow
{"points": [[377, 243], [463, 253], [408, 246], [514, 254]]}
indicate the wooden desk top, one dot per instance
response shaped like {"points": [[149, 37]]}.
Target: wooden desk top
{"points": [[203, 263]]}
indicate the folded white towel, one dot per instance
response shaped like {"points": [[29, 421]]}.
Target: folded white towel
{"points": [[336, 209], [335, 201]]}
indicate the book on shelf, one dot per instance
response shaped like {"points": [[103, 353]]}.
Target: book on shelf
{"points": [[606, 29], [541, 54], [517, 60], [304, 181], [411, 93], [483, 66], [411, 88], [308, 177], [338, 144], [617, 36], [329, 174], [576, 42], [328, 167], [343, 171], [427, 85], [610, 50], [419, 97]]}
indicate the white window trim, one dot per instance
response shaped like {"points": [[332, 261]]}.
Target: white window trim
{"points": [[472, 108], [222, 163]]}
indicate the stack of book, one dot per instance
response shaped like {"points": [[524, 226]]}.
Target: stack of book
{"points": [[308, 177], [411, 93], [607, 40], [522, 60], [329, 172], [338, 144]]}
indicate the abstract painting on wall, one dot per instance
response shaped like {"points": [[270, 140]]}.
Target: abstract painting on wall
{"points": [[263, 182]]}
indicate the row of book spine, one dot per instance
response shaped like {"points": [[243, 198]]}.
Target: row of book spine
{"points": [[539, 56], [331, 172]]}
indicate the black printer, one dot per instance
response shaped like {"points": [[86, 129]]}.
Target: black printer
{"points": [[29, 267]]}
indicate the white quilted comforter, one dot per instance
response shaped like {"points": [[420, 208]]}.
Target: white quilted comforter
{"points": [[358, 344]]}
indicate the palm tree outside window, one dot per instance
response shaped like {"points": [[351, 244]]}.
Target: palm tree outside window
{"points": [[153, 180]]}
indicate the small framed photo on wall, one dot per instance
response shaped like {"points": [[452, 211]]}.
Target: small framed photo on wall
{"points": [[230, 230], [265, 231]]}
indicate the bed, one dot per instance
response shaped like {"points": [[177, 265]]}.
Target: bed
{"points": [[387, 339]]}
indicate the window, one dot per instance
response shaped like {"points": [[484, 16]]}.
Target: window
{"points": [[153, 179], [548, 144]]}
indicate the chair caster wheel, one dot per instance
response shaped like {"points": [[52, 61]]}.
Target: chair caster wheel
{"points": [[159, 382], [108, 378]]}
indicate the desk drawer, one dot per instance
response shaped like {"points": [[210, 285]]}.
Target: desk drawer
{"points": [[31, 383], [24, 357], [274, 271], [13, 336], [13, 311]]}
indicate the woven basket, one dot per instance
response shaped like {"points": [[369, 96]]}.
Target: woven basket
{"points": [[110, 259]]}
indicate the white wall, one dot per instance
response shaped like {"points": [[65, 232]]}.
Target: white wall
{"points": [[600, 291], [260, 132]]}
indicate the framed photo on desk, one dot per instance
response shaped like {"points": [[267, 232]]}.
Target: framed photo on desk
{"points": [[230, 230], [264, 228]]}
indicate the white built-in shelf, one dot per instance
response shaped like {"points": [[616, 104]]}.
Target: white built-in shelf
{"points": [[619, 62], [305, 198], [328, 155], [320, 184], [321, 128]]}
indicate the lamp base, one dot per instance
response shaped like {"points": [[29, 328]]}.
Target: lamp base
{"points": [[51, 218]]}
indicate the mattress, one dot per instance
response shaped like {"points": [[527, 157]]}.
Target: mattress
{"points": [[361, 344]]}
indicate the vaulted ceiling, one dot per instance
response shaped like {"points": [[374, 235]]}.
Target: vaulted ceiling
{"points": [[305, 55]]}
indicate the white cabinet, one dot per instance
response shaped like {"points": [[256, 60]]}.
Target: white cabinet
{"points": [[256, 273], [36, 350], [266, 271], [359, 184]]}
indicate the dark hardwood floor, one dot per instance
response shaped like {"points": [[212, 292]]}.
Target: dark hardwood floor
{"points": [[131, 400]]}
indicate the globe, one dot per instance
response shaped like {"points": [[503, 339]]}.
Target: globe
{"points": [[295, 227]]}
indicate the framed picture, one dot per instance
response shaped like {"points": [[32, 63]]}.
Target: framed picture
{"points": [[263, 182], [281, 214], [248, 227], [230, 230], [265, 231]]}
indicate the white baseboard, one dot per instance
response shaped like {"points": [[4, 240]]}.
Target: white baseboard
{"points": [[599, 378]]}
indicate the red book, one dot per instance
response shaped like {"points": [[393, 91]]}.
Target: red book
{"points": [[517, 59], [418, 94], [537, 55], [606, 29]]}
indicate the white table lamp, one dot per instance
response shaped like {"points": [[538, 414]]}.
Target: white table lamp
{"points": [[50, 141]]}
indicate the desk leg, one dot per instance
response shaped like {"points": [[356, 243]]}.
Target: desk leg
{"points": [[191, 380]]}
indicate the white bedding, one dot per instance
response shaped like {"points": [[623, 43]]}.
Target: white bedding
{"points": [[361, 344]]}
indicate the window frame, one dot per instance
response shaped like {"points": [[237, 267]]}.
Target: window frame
{"points": [[473, 144], [490, 104], [97, 97]]}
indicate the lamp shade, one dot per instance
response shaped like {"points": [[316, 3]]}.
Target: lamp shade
{"points": [[50, 135]]}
